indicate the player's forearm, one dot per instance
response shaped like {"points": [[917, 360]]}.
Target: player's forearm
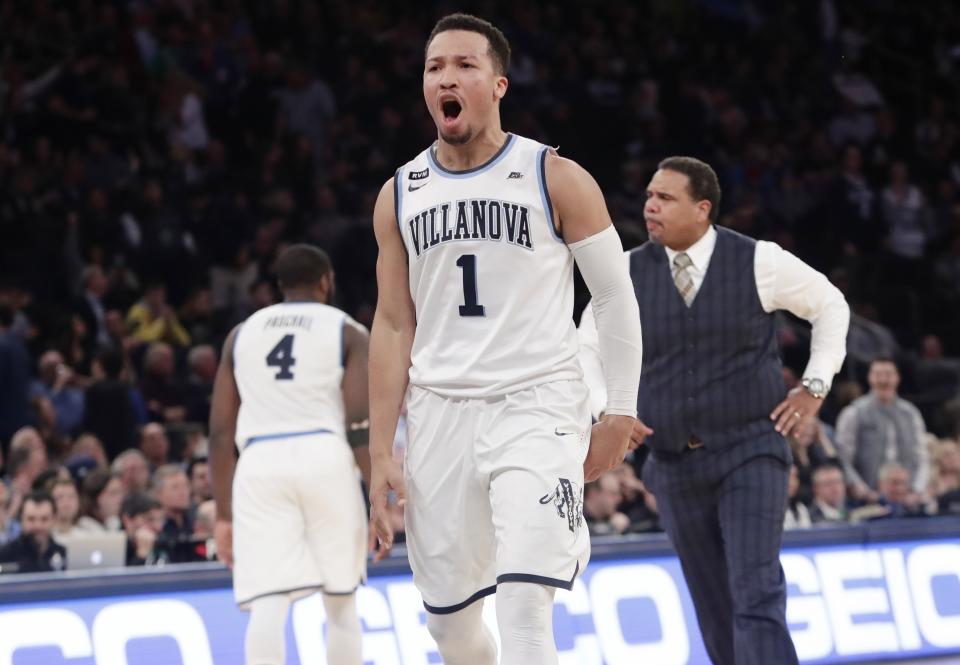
{"points": [[222, 463], [390, 348], [620, 341]]}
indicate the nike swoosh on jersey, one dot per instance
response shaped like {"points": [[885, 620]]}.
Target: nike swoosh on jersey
{"points": [[411, 188], [557, 431]]}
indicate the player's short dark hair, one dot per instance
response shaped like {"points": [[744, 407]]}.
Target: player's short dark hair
{"points": [[138, 503], [704, 185], [499, 46], [302, 266]]}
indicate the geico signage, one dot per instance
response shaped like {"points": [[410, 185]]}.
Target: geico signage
{"points": [[844, 602]]}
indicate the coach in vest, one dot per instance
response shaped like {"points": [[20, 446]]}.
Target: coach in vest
{"points": [[714, 407]]}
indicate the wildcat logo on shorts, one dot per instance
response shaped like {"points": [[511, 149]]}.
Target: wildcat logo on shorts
{"points": [[567, 498]]}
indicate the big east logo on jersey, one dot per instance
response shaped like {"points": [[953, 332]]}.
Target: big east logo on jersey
{"points": [[471, 219]]}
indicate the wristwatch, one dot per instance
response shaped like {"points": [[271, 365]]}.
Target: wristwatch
{"points": [[815, 387]]}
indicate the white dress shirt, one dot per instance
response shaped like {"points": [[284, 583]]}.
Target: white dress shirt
{"points": [[783, 282]]}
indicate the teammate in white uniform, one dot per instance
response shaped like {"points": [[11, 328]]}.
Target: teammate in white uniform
{"points": [[291, 519], [478, 236]]}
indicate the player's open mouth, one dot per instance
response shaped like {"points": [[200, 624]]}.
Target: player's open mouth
{"points": [[451, 110]]}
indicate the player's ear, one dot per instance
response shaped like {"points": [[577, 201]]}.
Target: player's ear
{"points": [[500, 88]]}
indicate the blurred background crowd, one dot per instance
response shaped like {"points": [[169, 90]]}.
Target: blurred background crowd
{"points": [[155, 155]]}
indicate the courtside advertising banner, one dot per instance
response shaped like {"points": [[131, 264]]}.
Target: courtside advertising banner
{"points": [[847, 603]]}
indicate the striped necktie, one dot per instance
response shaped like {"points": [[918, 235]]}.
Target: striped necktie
{"points": [[682, 278]]}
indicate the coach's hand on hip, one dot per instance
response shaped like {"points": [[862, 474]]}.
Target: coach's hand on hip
{"points": [[798, 406], [609, 440]]}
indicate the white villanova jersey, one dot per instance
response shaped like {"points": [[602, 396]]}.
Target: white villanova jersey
{"points": [[288, 364], [491, 279]]}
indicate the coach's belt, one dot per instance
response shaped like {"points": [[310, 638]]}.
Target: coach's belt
{"points": [[694, 442]]}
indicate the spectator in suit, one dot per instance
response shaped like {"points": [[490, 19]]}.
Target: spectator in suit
{"points": [[155, 445], [111, 414], [34, 550], [166, 401], [829, 495], [172, 489], [89, 305], [882, 427], [895, 492], [14, 377]]}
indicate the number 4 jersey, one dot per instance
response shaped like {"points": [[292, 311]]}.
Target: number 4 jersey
{"points": [[491, 280], [288, 364]]}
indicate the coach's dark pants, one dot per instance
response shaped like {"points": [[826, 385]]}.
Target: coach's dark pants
{"points": [[723, 510]]}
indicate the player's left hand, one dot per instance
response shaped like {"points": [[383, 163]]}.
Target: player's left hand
{"points": [[609, 440], [798, 406], [385, 475], [223, 536]]}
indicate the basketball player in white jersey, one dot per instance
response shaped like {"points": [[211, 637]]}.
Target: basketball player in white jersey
{"points": [[290, 514], [477, 236]]}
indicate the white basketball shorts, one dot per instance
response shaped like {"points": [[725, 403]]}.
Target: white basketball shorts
{"points": [[299, 522], [495, 491]]}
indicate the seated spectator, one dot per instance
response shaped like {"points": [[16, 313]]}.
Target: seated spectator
{"points": [[811, 447], [151, 319], [896, 495], [34, 550], [111, 413], [166, 400], [797, 515], [27, 459], [172, 490], [67, 501], [635, 502], [100, 498], [600, 501], [203, 528], [88, 445], [154, 445], [946, 468], [132, 468], [881, 427], [829, 495], [9, 526], [56, 381], [142, 519], [198, 471], [202, 363]]}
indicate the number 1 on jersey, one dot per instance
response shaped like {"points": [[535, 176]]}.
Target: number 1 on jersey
{"points": [[282, 356], [470, 307]]}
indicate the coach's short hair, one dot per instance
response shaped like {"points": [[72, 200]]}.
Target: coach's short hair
{"points": [[499, 46], [302, 266], [704, 185]]}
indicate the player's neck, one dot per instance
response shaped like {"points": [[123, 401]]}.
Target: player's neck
{"points": [[476, 152]]}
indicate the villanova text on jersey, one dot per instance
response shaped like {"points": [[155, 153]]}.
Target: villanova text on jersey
{"points": [[475, 219]]}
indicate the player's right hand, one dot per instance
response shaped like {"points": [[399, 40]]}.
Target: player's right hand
{"points": [[385, 475], [223, 536], [609, 440]]}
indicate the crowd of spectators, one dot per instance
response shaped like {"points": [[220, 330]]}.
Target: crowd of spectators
{"points": [[155, 155]]}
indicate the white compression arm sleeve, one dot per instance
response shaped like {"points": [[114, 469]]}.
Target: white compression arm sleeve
{"points": [[600, 259]]}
